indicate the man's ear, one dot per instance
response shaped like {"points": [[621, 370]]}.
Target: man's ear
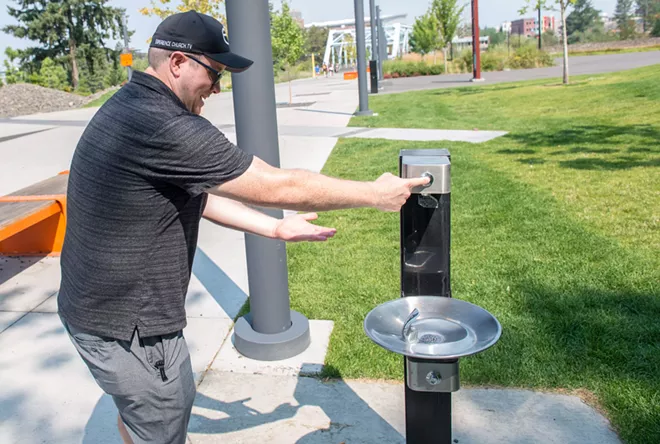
{"points": [[177, 59]]}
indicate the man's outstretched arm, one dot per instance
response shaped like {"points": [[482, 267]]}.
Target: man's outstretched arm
{"points": [[265, 185], [237, 216]]}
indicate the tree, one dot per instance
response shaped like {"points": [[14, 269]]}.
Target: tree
{"points": [[496, 36], [425, 37], [52, 74], [583, 18], [448, 14], [563, 6], [286, 39], [315, 40], [655, 32], [286, 36], [209, 7], [624, 20], [350, 50], [549, 38], [649, 10], [12, 73], [60, 26]]}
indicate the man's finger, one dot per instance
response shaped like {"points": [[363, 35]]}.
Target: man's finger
{"points": [[418, 181], [326, 231], [310, 216]]}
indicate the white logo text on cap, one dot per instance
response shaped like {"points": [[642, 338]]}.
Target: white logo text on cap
{"points": [[171, 44]]}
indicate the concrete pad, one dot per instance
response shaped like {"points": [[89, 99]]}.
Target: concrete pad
{"points": [[522, 416], [204, 338], [7, 318], [308, 153], [15, 130], [314, 131], [47, 306], [201, 304], [309, 362], [67, 115], [26, 282], [219, 270], [47, 394], [429, 134], [36, 157], [239, 408]]}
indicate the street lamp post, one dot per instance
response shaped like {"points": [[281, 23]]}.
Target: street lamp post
{"points": [[126, 45], [476, 44], [361, 60], [540, 26], [373, 63], [271, 331]]}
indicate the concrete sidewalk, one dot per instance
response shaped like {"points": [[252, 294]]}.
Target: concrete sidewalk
{"points": [[48, 396]]}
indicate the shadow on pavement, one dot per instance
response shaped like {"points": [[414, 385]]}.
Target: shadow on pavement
{"points": [[304, 410], [11, 266], [219, 285]]}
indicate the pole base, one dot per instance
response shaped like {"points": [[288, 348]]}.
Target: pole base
{"points": [[364, 113], [272, 347], [481, 79]]}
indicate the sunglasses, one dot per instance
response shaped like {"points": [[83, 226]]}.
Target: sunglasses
{"points": [[215, 75]]}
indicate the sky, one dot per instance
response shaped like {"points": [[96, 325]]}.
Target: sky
{"points": [[491, 13]]}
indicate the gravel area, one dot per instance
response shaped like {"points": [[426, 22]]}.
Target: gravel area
{"points": [[22, 99]]}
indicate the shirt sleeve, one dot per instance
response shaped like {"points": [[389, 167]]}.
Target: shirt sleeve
{"points": [[191, 153]]}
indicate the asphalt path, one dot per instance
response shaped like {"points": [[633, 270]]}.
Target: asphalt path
{"points": [[596, 64]]}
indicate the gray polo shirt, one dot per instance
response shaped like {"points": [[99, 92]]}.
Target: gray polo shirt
{"points": [[135, 199]]}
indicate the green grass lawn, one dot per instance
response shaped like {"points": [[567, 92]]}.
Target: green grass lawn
{"points": [[609, 51], [101, 100], [554, 231]]}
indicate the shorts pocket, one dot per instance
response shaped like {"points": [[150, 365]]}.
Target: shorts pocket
{"points": [[88, 338]]}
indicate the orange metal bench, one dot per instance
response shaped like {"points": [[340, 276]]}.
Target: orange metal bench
{"points": [[33, 219]]}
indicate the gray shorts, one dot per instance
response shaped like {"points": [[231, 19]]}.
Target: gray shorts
{"points": [[150, 380]]}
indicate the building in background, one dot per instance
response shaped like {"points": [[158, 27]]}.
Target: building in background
{"points": [[529, 27], [505, 27], [608, 22], [297, 16], [462, 43]]}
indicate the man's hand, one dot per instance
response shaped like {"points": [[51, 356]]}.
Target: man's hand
{"points": [[391, 192], [296, 228]]}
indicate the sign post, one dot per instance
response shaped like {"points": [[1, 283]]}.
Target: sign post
{"points": [[126, 59]]}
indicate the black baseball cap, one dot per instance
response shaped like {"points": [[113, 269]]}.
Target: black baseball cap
{"points": [[199, 34]]}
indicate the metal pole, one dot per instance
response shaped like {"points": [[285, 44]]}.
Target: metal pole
{"points": [[540, 26], [476, 45], [373, 64], [374, 30], [123, 24], [382, 43], [271, 331], [361, 59]]}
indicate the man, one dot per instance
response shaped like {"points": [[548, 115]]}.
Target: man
{"points": [[145, 170]]}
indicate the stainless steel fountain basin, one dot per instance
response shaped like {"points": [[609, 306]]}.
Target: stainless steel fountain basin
{"points": [[442, 327]]}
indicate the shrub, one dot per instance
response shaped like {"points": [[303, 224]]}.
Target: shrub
{"points": [[529, 57], [52, 74], [655, 32], [495, 59]]}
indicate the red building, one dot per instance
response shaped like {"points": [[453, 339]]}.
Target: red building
{"points": [[529, 26]]}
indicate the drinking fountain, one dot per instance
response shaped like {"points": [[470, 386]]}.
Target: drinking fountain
{"points": [[426, 325]]}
